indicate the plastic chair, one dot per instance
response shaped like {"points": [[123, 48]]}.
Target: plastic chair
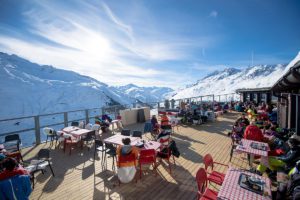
{"points": [[50, 133], [203, 191], [130, 158], [213, 176], [81, 124], [15, 140], [70, 141], [89, 138], [137, 134], [89, 126], [111, 150], [12, 144], [165, 152], [99, 146], [96, 128], [125, 132], [147, 156], [43, 161]]}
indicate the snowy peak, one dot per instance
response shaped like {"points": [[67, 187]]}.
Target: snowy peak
{"points": [[220, 74], [145, 94], [32, 89], [230, 79], [262, 70]]}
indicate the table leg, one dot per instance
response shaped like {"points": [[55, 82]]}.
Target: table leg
{"points": [[251, 160]]}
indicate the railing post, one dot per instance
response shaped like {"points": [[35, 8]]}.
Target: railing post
{"points": [[66, 119], [115, 112], [87, 119], [37, 130]]}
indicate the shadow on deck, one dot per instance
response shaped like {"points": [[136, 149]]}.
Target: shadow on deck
{"points": [[79, 176]]}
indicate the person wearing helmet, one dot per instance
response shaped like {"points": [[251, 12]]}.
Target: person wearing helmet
{"points": [[286, 159]]}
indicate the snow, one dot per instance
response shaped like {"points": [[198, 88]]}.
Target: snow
{"points": [[230, 79], [145, 94], [30, 89]]}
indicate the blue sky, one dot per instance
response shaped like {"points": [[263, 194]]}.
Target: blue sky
{"points": [[157, 42]]}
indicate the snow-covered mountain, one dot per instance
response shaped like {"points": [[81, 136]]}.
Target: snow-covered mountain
{"points": [[29, 89], [230, 79], [145, 94]]}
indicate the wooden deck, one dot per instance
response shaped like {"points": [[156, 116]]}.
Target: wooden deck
{"points": [[80, 177]]}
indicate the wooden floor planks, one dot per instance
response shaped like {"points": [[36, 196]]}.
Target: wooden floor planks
{"points": [[80, 177]]}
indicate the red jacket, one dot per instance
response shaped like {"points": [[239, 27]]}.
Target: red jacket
{"points": [[17, 171], [252, 132]]}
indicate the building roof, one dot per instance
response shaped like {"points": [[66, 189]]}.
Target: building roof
{"points": [[263, 89], [289, 81]]}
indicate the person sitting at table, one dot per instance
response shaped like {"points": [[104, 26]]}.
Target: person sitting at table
{"points": [[105, 117], [154, 121], [11, 168], [164, 119], [243, 121], [14, 181], [286, 159], [126, 171], [252, 132]]}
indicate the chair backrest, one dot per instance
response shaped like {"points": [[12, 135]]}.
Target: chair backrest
{"points": [[201, 179], [96, 127], [125, 132], [81, 124], [12, 137], [110, 146], [90, 135], [137, 134], [147, 153], [74, 123], [44, 153], [98, 143], [48, 131], [89, 126], [127, 158], [208, 161]]}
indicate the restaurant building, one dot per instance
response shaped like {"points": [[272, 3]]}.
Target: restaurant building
{"points": [[287, 89]]}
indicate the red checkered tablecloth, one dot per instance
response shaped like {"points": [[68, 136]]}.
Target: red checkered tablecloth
{"points": [[231, 190], [246, 148]]}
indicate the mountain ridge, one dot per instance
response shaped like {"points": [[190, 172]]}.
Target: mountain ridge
{"points": [[33, 89], [228, 80]]}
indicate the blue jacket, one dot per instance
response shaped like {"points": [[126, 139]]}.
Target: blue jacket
{"points": [[15, 188]]}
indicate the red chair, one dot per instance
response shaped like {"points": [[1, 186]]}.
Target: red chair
{"points": [[70, 141], [204, 192], [165, 151], [213, 176], [147, 156], [126, 159]]}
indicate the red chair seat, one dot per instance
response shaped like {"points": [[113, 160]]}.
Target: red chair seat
{"points": [[216, 177], [209, 195]]}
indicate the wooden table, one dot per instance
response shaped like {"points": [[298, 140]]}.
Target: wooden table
{"points": [[231, 189]]}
